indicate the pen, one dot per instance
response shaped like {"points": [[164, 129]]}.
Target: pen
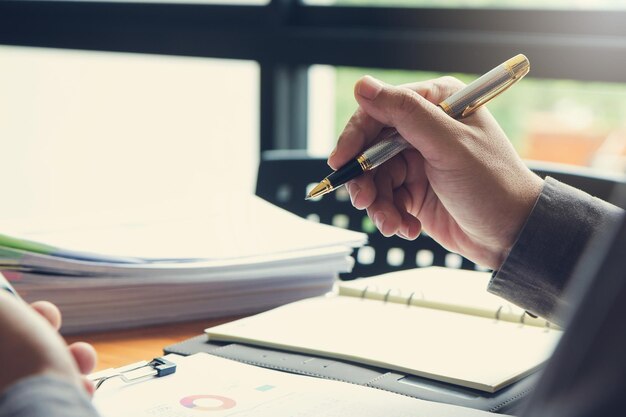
{"points": [[458, 105], [5, 285]]}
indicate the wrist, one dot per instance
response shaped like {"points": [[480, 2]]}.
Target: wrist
{"points": [[526, 202]]}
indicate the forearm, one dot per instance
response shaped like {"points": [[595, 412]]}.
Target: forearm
{"points": [[45, 395], [558, 230]]}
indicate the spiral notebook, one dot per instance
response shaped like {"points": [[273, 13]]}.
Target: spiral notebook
{"points": [[368, 323]]}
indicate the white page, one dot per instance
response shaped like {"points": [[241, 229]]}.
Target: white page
{"points": [[205, 384], [231, 226], [467, 350], [333, 258]]}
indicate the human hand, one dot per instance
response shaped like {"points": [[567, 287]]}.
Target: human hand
{"points": [[30, 345], [461, 181]]}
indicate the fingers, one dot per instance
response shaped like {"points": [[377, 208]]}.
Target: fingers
{"points": [[409, 227], [48, 311], [360, 131], [419, 121], [436, 90], [84, 355], [383, 211], [89, 386], [362, 190], [362, 128], [394, 192], [392, 218]]}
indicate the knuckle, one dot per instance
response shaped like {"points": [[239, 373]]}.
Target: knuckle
{"points": [[451, 81], [431, 92], [449, 84], [405, 102]]}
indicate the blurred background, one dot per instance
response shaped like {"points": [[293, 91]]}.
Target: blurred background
{"points": [[108, 104]]}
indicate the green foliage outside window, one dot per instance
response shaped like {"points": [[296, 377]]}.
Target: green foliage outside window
{"points": [[601, 105]]}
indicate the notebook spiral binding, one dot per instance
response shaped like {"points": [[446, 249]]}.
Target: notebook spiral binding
{"points": [[522, 317]]}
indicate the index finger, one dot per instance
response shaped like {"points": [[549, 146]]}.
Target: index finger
{"points": [[436, 90], [360, 131]]}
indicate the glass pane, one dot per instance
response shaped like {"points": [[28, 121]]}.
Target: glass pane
{"points": [[98, 130], [511, 4], [572, 122]]}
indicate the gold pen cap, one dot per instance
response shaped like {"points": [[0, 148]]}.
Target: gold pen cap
{"points": [[485, 88], [518, 66]]}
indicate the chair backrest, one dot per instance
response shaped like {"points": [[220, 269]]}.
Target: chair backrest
{"points": [[605, 186], [284, 178]]}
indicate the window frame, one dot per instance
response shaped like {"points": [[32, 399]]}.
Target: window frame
{"points": [[285, 37]]}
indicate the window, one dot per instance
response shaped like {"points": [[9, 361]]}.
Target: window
{"points": [[99, 130], [572, 122], [514, 4], [283, 40]]}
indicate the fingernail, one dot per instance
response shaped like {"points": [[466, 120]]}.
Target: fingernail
{"points": [[369, 87], [402, 235], [354, 192], [379, 220], [331, 157], [405, 231]]}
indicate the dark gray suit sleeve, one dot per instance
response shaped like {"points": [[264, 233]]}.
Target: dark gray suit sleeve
{"points": [[558, 230], [45, 396]]}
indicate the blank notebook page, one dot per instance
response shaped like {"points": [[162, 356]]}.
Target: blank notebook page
{"points": [[472, 351]]}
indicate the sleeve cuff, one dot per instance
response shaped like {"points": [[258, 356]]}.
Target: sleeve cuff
{"points": [[45, 395], [556, 233]]}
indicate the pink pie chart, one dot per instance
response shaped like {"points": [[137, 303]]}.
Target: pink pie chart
{"points": [[207, 402]]}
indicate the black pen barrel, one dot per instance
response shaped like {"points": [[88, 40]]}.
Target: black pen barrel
{"points": [[344, 174]]}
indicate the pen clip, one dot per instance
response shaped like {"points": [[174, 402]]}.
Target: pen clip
{"points": [[472, 107], [516, 68], [157, 367]]}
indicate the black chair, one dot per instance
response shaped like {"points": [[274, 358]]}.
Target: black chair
{"points": [[602, 185], [284, 178]]}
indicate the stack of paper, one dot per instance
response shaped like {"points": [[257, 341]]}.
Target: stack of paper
{"points": [[175, 262]]}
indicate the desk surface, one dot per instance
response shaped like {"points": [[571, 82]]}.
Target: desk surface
{"points": [[117, 348]]}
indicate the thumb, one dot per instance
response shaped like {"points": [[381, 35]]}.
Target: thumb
{"points": [[422, 123]]}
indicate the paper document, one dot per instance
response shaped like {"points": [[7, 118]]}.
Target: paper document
{"points": [[175, 262], [208, 385], [234, 227]]}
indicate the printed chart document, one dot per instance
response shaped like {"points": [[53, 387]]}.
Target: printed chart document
{"points": [[175, 262], [474, 351], [207, 385]]}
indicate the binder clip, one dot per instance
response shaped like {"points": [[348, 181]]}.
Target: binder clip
{"points": [[135, 372]]}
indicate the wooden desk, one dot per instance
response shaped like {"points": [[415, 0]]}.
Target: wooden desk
{"points": [[117, 348]]}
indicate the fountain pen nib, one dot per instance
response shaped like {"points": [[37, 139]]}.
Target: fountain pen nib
{"points": [[320, 189]]}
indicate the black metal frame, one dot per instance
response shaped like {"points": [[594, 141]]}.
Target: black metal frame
{"points": [[285, 37]]}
